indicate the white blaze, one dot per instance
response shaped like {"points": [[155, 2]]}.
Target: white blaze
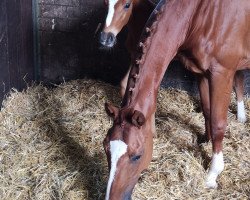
{"points": [[216, 168], [111, 12], [241, 114], [117, 149]]}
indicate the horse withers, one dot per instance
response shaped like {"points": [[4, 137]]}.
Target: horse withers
{"points": [[213, 40]]}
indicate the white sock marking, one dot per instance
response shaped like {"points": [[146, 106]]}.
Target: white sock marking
{"points": [[216, 168], [117, 149], [241, 114], [111, 12]]}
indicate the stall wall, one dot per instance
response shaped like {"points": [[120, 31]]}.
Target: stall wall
{"points": [[16, 45], [69, 46], [65, 47]]}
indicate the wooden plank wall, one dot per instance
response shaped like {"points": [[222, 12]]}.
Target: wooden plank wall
{"points": [[16, 45]]}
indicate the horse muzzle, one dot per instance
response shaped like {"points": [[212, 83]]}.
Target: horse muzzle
{"points": [[107, 39], [128, 196], [121, 196]]}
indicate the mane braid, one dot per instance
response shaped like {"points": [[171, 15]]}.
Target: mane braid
{"points": [[142, 49]]}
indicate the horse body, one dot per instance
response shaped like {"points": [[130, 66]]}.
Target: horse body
{"points": [[135, 18], [213, 40], [204, 42]]}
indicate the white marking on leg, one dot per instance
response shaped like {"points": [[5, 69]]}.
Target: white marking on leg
{"points": [[117, 149], [241, 113], [111, 12], [216, 168]]}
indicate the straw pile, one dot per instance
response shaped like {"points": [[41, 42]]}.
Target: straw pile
{"points": [[51, 147]]}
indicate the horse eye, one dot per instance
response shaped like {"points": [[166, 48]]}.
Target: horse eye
{"points": [[127, 5], [135, 158]]}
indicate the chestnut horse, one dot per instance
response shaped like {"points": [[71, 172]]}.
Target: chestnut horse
{"points": [[134, 14], [212, 39]]}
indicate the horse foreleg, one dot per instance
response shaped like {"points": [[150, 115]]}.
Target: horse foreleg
{"points": [[205, 104], [220, 86], [123, 83], [239, 90]]}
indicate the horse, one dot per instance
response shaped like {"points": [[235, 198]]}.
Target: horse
{"points": [[134, 14], [212, 39]]}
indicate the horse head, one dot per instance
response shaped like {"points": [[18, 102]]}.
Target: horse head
{"points": [[128, 146], [119, 12]]}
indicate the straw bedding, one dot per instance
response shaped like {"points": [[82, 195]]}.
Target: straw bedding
{"points": [[51, 146]]}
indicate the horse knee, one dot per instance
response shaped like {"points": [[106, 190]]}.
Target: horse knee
{"points": [[218, 130]]}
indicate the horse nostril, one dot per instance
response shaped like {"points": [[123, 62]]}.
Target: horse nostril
{"points": [[111, 38], [103, 37], [107, 39], [128, 196]]}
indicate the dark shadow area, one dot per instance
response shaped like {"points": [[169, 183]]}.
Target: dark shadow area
{"points": [[177, 76], [76, 157], [71, 50]]}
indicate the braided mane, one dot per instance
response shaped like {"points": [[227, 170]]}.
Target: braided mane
{"points": [[154, 2], [142, 50]]}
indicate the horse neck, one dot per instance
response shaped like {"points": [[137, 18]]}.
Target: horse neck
{"points": [[168, 35]]}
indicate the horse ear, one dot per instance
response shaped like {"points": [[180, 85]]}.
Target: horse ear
{"points": [[111, 110], [138, 118]]}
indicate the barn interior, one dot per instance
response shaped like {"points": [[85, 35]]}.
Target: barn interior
{"points": [[55, 79]]}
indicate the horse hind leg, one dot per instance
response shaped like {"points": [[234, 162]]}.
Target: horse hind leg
{"points": [[239, 90], [220, 87]]}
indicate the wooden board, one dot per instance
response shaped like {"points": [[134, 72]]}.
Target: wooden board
{"points": [[16, 44]]}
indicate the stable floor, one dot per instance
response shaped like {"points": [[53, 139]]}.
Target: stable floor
{"points": [[51, 146]]}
